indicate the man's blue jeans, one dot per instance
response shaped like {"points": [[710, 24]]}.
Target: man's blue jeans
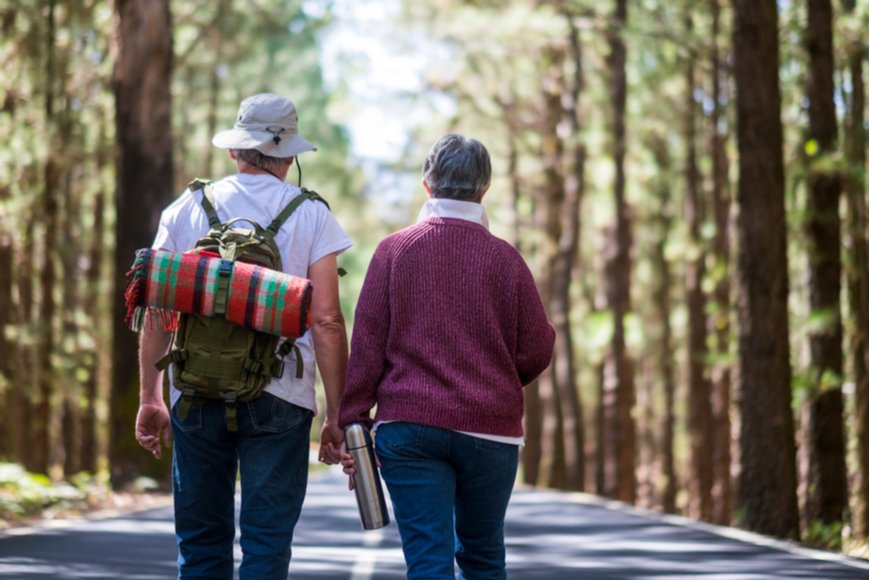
{"points": [[270, 451], [450, 492]]}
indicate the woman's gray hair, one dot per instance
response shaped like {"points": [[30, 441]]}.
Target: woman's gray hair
{"points": [[457, 167], [260, 161]]}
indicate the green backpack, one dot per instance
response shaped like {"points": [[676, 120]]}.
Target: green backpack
{"points": [[216, 359]]}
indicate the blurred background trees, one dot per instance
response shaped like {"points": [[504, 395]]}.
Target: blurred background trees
{"points": [[687, 181]]}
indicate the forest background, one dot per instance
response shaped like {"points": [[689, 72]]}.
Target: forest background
{"points": [[686, 179]]}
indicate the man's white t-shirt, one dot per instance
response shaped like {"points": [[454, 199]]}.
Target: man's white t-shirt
{"points": [[310, 234]]}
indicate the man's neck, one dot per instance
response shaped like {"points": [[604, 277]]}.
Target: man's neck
{"points": [[244, 167]]}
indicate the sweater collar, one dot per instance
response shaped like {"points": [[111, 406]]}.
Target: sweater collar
{"points": [[452, 208]]}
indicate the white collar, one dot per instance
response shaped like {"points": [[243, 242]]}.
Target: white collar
{"points": [[453, 208]]}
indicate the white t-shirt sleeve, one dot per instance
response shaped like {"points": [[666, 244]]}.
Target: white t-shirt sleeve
{"points": [[164, 240], [330, 237]]}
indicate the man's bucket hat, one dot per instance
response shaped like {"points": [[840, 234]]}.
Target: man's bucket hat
{"points": [[267, 123]]}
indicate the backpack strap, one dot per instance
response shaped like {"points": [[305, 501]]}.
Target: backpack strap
{"points": [[278, 364], [291, 207], [207, 200]]}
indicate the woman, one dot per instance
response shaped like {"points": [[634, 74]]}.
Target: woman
{"points": [[448, 329]]}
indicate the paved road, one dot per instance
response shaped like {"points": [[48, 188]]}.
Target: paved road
{"points": [[551, 536]]}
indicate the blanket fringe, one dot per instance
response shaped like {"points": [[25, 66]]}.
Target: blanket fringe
{"points": [[137, 313]]}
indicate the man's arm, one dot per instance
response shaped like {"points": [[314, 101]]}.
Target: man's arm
{"points": [[152, 421], [330, 348]]}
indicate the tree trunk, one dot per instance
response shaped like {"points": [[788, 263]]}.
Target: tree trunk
{"points": [[768, 479], [72, 282], [661, 302], [619, 429], [827, 497], [566, 258], [550, 206], [857, 274], [700, 415], [43, 440], [720, 321], [144, 186], [94, 306], [7, 442], [24, 352]]}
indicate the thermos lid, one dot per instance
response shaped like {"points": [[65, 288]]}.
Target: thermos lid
{"points": [[356, 436]]}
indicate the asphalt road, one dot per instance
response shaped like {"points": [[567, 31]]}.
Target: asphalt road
{"points": [[550, 536]]}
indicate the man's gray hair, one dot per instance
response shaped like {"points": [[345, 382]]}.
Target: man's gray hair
{"points": [[457, 167], [260, 161]]}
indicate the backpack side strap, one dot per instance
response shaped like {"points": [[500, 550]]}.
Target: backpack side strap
{"points": [[207, 200], [291, 207]]}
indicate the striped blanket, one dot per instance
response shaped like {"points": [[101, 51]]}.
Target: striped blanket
{"points": [[255, 297]]}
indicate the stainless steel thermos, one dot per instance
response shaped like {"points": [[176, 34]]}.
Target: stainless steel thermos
{"points": [[366, 481]]}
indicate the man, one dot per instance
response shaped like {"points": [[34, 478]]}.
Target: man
{"points": [[269, 449]]}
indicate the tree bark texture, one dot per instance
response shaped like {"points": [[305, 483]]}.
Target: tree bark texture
{"points": [[43, 441], [7, 444], [94, 306], [664, 341], [566, 258], [857, 273], [618, 400], [25, 366], [700, 416], [144, 187], [768, 479], [827, 497], [550, 207], [720, 323]]}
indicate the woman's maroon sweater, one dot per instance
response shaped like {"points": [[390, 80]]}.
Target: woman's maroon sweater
{"points": [[448, 329]]}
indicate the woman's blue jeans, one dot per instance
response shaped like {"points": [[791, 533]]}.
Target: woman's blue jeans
{"points": [[270, 452], [450, 492]]}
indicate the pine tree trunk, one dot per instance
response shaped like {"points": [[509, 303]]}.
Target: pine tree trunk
{"points": [[826, 486], [7, 443], [550, 207], [43, 443], [857, 274], [24, 377], [661, 302], [720, 322], [768, 479], [618, 400], [94, 305], [144, 187], [566, 258], [700, 415]]}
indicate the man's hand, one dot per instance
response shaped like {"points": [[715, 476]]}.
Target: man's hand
{"points": [[152, 427], [331, 439]]}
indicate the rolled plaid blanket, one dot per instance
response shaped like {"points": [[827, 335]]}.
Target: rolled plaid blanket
{"points": [[256, 297]]}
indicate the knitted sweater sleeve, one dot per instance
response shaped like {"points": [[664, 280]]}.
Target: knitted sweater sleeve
{"points": [[368, 342], [535, 336]]}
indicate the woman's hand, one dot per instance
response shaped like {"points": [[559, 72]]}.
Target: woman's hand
{"points": [[347, 465]]}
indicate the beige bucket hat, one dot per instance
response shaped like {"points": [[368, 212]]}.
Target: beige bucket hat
{"points": [[267, 123]]}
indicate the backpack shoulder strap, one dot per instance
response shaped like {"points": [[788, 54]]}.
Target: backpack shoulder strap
{"points": [[291, 207], [207, 200]]}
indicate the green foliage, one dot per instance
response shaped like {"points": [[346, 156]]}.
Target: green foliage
{"points": [[824, 535], [25, 495]]}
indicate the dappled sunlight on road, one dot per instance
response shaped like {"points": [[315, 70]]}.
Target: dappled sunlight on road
{"points": [[549, 536]]}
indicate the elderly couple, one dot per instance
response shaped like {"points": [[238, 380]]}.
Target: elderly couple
{"points": [[448, 329]]}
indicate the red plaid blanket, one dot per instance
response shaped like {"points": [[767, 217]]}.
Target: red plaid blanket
{"points": [[257, 297]]}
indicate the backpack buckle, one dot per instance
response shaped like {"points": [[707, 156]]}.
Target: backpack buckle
{"points": [[277, 369], [254, 366]]}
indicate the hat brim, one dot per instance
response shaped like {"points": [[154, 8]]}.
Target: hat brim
{"points": [[262, 141]]}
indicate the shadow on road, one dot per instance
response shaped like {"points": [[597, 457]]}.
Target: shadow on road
{"points": [[550, 536]]}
